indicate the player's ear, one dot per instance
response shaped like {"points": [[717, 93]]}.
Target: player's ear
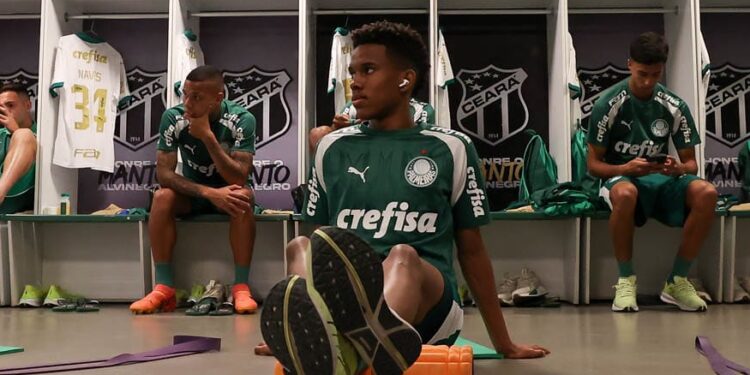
{"points": [[407, 81]]}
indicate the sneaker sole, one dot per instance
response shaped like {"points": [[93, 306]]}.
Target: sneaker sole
{"points": [[30, 303], [348, 274], [666, 298], [627, 309], [295, 330]]}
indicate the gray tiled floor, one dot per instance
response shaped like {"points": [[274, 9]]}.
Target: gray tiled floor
{"points": [[583, 340]]}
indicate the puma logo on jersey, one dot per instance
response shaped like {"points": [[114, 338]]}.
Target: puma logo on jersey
{"points": [[358, 173], [191, 148], [628, 124], [476, 194], [380, 221]]}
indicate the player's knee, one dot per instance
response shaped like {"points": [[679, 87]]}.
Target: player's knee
{"points": [[624, 195], [164, 200], [249, 193], [403, 254], [296, 248], [703, 195]]}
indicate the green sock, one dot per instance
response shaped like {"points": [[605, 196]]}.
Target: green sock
{"points": [[164, 274], [241, 274], [625, 268], [680, 268]]}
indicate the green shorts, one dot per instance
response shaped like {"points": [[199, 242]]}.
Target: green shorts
{"points": [[442, 324], [21, 195], [660, 197]]}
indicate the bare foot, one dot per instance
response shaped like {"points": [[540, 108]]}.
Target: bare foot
{"points": [[263, 349]]}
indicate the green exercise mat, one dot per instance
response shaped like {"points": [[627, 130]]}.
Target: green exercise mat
{"points": [[10, 349], [480, 351]]}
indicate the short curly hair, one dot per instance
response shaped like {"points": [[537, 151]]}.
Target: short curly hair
{"points": [[400, 40]]}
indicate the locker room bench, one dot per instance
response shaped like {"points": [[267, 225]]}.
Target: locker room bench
{"points": [[736, 250], [655, 246], [109, 257]]}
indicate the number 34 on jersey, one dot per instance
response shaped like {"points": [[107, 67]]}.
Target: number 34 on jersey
{"points": [[89, 77]]}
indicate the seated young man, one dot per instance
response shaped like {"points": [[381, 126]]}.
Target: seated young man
{"points": [[629, 132], [421, 112], [400, 194], [216, 139], [17, 150]]}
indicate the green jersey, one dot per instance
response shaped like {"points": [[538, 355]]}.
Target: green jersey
{"points": [[414, 186], [421, 112], [235, 131], [629, 127]]}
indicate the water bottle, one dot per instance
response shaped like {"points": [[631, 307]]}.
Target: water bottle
{"points": [[65, 204]]}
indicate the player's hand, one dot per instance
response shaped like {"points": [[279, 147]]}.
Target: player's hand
{"points": [[263, 349], [7, 120], [640, 167], [200, 128], [230, 199], [525, 351], [672, 167], [340, 121]]}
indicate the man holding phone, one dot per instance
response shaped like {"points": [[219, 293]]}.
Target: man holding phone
{"points": [[630, 128], [17, 150]]}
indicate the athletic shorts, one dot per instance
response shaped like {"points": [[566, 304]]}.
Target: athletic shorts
{"points": [[21, 195], [660, 197], [443, 323]]}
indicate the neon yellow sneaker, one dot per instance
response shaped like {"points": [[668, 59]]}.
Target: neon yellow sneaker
{"points": [[196, 293], [298, 328], [57, 296], [32, 296], [625, 292], [682, 294]]}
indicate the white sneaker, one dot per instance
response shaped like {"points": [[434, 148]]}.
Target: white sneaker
{"points": [[740, 294], [744, 282], [700, 289], [529, 287], [506, 288]]}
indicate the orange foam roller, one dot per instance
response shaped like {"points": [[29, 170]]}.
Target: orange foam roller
{"points": [[434, 360]]}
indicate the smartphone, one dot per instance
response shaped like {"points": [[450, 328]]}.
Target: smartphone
{"points": [[658, 158]]}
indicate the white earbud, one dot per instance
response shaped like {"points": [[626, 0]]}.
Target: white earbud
{"points": [[403, 83]]}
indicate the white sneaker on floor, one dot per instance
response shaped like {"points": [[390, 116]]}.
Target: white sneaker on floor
{"points": [[506, 288]]}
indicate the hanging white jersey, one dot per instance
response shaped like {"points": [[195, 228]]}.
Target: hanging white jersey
{"points": [[705, 65], [574, 86], [89, 76], [444, 79], [189, 57], [339, 79]]}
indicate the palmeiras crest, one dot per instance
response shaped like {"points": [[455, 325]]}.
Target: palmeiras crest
{"points": [[138, 122], [727, 110], [27, 80], [262, 93], [594, 82], [492, 108]]}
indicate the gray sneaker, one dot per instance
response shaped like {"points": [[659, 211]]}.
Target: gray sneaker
{"points": [[529, 288], [506, 288], [211, 299], [740, 290], [700, 289]]}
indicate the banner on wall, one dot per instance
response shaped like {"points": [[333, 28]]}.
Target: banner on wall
{"points": [[263, 93], [500, 93], [727, 120], [594, 82]]}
